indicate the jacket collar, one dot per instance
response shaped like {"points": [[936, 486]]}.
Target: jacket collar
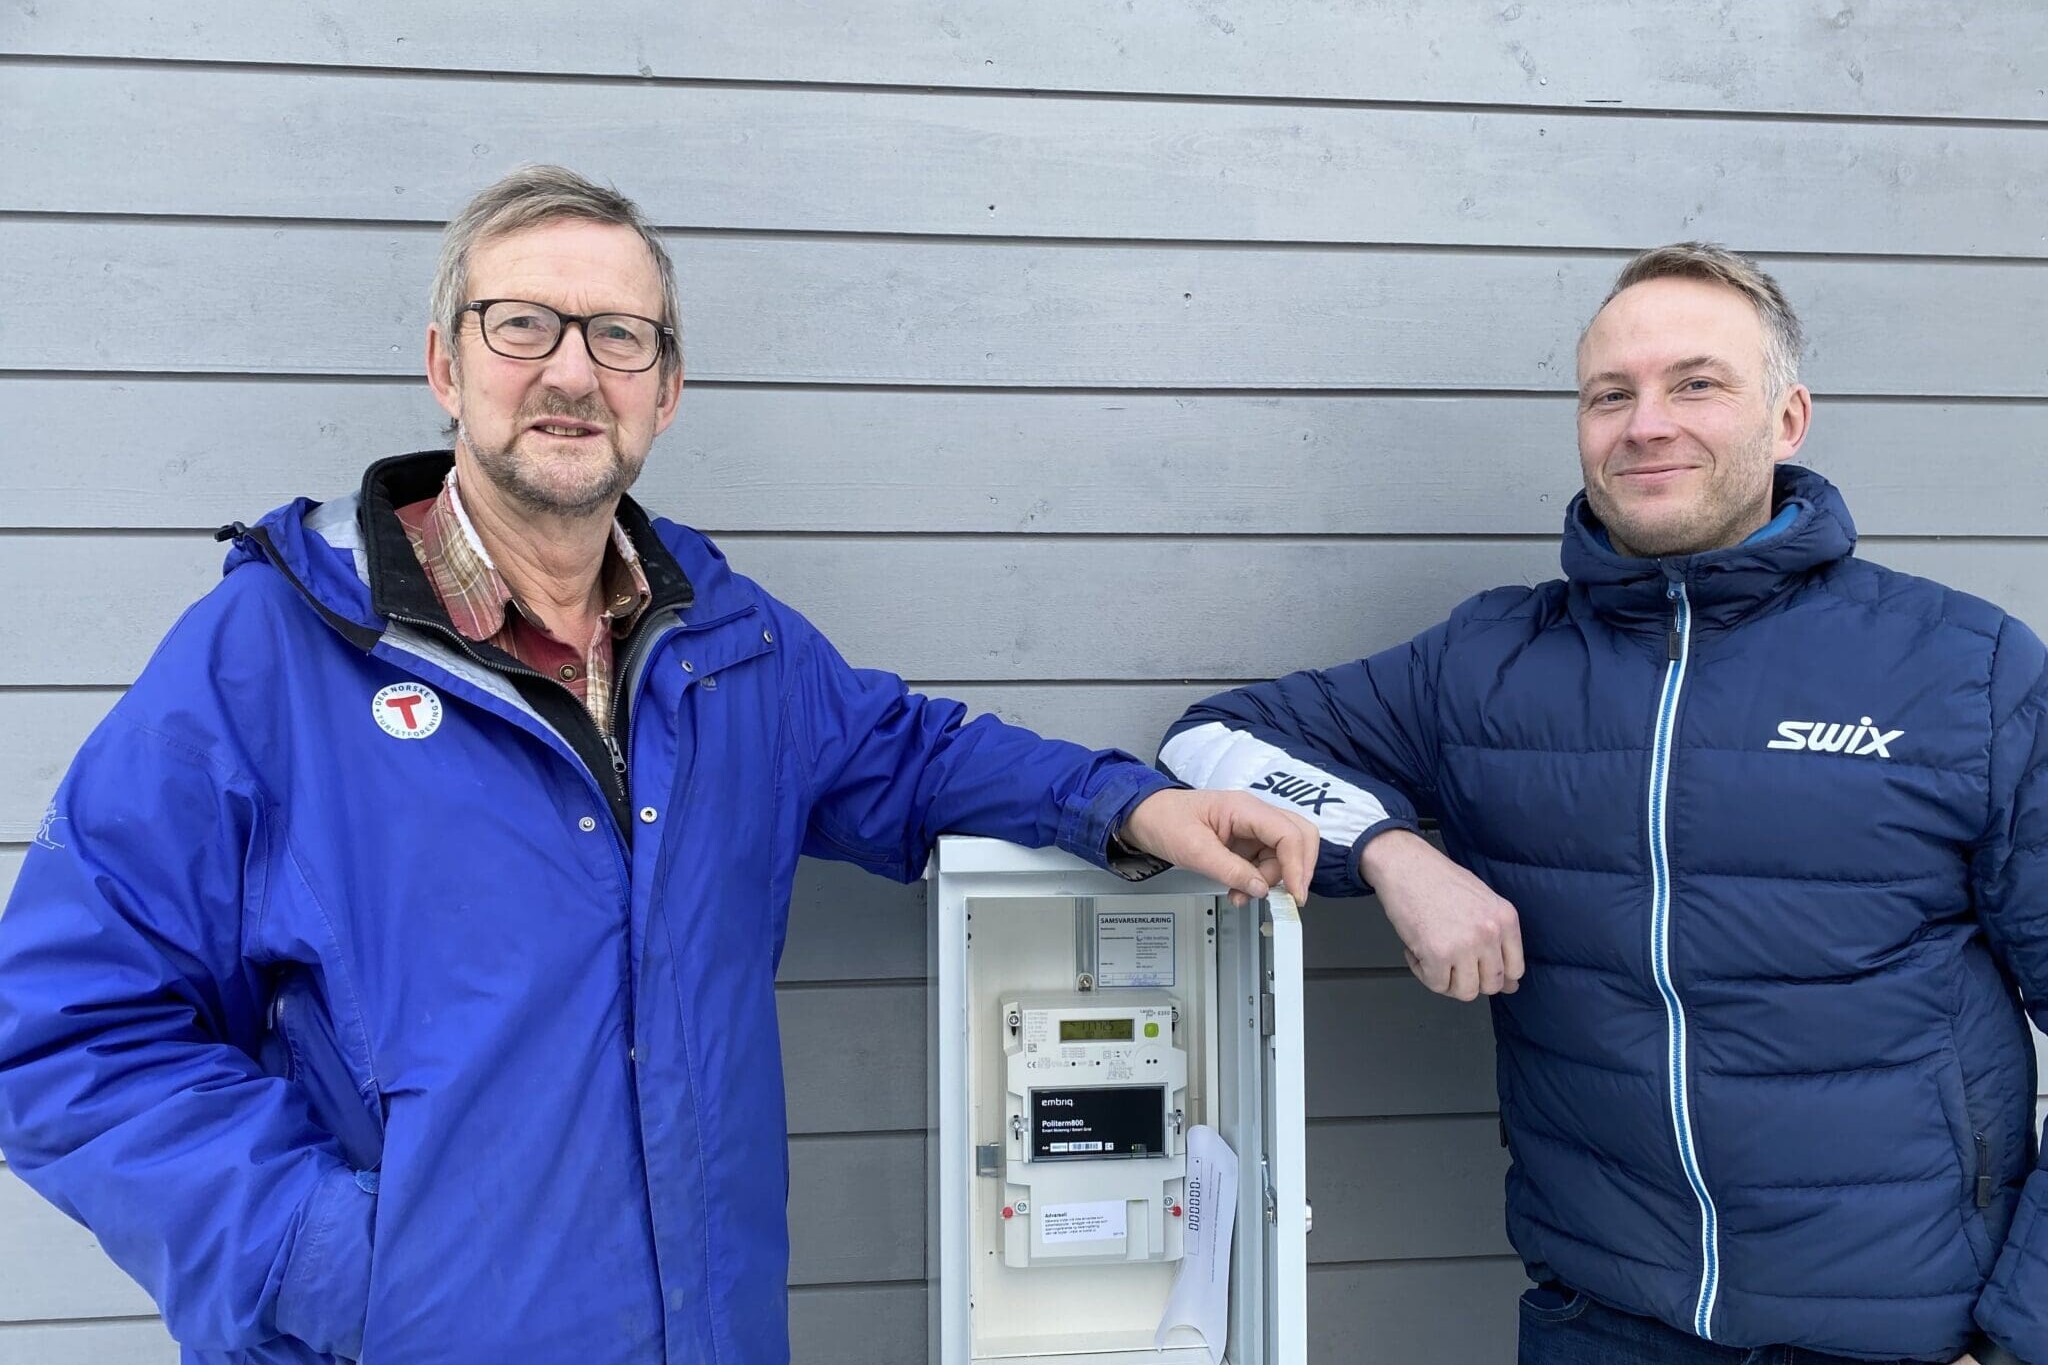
{"points": [[399, 585], [1723, 586], [352, 559]]}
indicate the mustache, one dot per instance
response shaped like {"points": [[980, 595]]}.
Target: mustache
{"points": [[590, 408]]}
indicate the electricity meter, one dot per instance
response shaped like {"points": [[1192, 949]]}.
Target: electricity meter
{"points": [[1117, 1159], [1097, 1094]]}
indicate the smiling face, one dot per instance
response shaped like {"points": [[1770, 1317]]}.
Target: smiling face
{"points": [[561, 436], [1677, 429]]}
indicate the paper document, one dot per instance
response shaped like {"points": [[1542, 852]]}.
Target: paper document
{"points": [[1134, 949], [1201, 1296], [1101, 1221]]}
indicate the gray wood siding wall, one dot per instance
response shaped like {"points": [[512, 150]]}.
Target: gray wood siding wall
{"points": [[1074, 359]]}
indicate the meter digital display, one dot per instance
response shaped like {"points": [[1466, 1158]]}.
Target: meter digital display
{"points": [[1096, 1030], [1098, 1121]]}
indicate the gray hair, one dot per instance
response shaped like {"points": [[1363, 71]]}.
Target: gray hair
{"points": [[1784, 338], [530, 197]]}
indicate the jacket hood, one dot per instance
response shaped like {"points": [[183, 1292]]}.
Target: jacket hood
{"points": [[352, 560], [1723, 585]]}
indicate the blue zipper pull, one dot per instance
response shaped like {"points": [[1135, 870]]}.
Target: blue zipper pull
{"points": [[1671, 640]]}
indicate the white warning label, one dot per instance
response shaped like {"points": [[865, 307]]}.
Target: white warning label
{"points": [[1101, 1221]]}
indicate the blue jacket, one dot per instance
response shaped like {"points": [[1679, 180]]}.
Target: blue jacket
{"points": [[1776, 823], [413, 1034]]}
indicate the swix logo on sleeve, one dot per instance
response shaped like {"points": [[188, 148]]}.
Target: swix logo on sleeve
{"points": [[1302, 791], [1823, 737], [406, 710], [1214, 755]]}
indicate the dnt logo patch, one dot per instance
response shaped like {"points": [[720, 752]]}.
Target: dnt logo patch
{"points": [[406, 710]]}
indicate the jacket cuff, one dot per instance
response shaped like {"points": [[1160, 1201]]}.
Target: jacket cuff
{"points": [[1088, 831], [1989, 1352], [1353, 873], [324, 1298]]}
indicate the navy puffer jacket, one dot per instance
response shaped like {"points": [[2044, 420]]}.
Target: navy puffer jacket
{"points": [[1776, 823]]}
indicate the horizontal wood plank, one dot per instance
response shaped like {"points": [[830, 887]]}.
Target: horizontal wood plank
{"points": [[39, 734], [147, 453], [1010, 608], [1383, 1046], [966, 610], [854, 1058], [1416, 1312], [849, 925], [889, 311], [1757, 55], [1398, 1189], [857, 1325], [154, 140], [857, 1209], [117, 1341]]}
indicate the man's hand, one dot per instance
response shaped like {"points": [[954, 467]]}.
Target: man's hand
{"points": [[1233, 837], [1462, 940]]}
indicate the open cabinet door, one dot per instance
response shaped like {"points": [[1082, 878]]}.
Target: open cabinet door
{"points": [[1286, 1106]]}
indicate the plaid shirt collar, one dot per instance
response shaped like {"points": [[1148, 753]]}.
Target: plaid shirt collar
{"points": [[475, 594]]}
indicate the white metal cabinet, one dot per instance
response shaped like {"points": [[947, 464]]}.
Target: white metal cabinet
{"points": [[1034, 941]]}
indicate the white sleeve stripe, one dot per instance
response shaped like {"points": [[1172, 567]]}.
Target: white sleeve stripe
{"points": [[1214, 755]]}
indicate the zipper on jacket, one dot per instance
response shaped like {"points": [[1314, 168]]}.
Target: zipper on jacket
{"points": [[638, 646], [610, 777], [1678, 649], [1986, 1187]]}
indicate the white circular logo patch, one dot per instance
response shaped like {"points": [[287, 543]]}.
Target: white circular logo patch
{"points": [[407, 710]]}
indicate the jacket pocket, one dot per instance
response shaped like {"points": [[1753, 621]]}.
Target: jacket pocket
{"points": [[1552, 1303], [323, 1299], [304, 1048], [1974, 1161]]}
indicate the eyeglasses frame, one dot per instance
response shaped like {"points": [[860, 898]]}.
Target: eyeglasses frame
{"points": [[667, 334]]}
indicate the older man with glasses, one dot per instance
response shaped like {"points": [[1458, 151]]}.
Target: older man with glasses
{"points": [[396, 980]]}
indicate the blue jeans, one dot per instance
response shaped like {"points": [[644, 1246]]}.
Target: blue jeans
{"points": [[1561, 1326]]}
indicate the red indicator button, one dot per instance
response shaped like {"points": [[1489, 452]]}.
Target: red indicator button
{"points": [[1176, 1210], [1009, 1212]]}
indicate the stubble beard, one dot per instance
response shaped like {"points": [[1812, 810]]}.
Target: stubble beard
{"points": [[1718, 520], [522, 475]]}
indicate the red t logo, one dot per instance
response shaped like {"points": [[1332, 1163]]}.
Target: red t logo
{"points": [[404, 705]]}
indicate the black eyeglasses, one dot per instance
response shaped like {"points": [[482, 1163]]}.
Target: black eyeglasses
{"points": [[520, 329]]}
